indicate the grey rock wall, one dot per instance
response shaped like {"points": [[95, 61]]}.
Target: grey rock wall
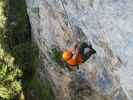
{"points": [[107, 25]]}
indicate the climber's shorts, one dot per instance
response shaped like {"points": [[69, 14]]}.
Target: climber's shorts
{"points": [[86, 50]]}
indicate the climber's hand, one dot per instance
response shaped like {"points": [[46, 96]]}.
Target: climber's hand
{"points": [[74, 56]]}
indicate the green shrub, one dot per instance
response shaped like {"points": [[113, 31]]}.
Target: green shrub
{"points": [[42, 91], [26, 56], [18, 26], [57, 55], [10, 85], [2, 22]]}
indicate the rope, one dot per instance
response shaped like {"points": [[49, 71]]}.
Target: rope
{"points": [[67, 15], [68, 19]]}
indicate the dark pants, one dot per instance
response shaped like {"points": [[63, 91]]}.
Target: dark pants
{"points": [[86, 55]]}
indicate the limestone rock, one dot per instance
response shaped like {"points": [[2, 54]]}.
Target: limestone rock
{"points": [[107, 25]]}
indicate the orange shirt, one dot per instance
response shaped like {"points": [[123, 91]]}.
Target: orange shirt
{"points": [[78, 59]]}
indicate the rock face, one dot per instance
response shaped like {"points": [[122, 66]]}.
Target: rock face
{"points": [[107, 25]]}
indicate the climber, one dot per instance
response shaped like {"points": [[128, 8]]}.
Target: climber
{"points": [[77, 55]]}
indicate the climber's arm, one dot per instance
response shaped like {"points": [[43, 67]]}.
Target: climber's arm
{"points": [[76, 50]]}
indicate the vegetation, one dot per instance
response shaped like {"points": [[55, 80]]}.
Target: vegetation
{"points": [[17, 23], [18, 55], [2, 21], [39, 90], [10, 84], [57, 55], [19, 45], [26, 55]]}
